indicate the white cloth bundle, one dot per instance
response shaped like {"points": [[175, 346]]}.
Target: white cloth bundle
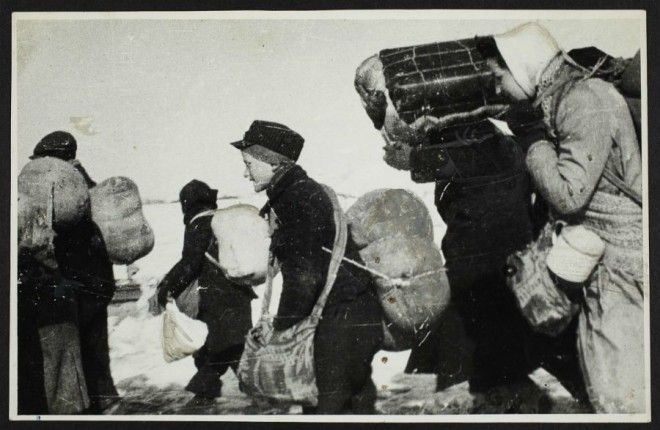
{"points": [[117, 210], [575, 253], [182, 336], [50, 181], [243, 242]]}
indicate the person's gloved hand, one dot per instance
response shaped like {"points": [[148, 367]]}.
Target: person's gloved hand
{"points": [[526, 122], [528, 136], [158, 301]]}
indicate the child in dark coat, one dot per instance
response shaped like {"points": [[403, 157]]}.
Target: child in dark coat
{"points": [[349, 332], [223, 305]]}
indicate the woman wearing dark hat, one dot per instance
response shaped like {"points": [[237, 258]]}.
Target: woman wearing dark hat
{"points": [[349, 332], [223, 305]]}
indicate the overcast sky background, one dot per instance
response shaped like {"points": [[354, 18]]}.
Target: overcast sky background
{"points": [[167, 97]]}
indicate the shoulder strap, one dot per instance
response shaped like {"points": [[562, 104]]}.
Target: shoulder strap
{"points": [[625, 189], [338, 250], [209, 212], [270, 275]]}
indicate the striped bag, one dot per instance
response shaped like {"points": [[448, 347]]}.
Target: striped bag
{"points": [[279, 365]]}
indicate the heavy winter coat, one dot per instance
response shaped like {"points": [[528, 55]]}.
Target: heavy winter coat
{"points": [[594, 131], [349, 332], [223, 305], [487, 215], [304, 226]]}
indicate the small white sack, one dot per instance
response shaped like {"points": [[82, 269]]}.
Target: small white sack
{"points": [[182, 336], [243, 243], [575, 253]]}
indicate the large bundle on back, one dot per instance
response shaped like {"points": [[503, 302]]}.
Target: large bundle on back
{"points": [[117, 210], [243, 243], [384, 212], [49, 181], [395, 230], [35, 232], [438, 80], [417, 290], [411, 91], [445, 82]]}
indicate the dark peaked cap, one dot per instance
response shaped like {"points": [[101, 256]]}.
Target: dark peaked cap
{"points": [[273, 136]]}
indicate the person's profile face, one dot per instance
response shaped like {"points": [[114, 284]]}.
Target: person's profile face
{"points": [[505, 82], [257, 171]]}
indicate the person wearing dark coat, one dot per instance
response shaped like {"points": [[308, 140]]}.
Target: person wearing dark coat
{"points": [[82, 258], [349, 332], [223, 305], [489, 214]]}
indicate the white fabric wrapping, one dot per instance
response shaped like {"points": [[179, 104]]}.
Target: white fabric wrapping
{"points": [[243, 243], [182, 336], [575, 253]]}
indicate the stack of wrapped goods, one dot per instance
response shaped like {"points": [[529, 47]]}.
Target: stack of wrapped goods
{"points": [[117, 210], [394, 229], [437, 95]]}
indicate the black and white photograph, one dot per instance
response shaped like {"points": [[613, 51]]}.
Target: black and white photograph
{"points": [[374, 216]]}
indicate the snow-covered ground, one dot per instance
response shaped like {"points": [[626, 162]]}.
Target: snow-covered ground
{"points": [[150, 385]]}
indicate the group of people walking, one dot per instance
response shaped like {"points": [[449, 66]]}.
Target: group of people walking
{"points": [[582, 168], [599, 357]]}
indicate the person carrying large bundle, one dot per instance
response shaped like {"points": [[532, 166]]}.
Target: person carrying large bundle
{"points": [[83, 261], [590, 174], [328, 312], [413, 95], [223, 304]]}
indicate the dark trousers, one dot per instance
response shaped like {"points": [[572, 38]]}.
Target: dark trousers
{"points": [[506, 347], [210, 367], [31, 392], [346, 340], [446, 351], [493, 321], [93, 328]]}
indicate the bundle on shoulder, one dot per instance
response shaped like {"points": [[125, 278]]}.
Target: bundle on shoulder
{"points": [[117, 210], [243, 242]]}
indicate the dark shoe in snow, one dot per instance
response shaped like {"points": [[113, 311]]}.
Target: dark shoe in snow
{"points": [[198, 403]]}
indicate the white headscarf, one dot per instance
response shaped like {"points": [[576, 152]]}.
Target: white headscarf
{"points": [[527, 50]]}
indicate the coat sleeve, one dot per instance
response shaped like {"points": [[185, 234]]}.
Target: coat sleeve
{"points": [[566, 176], [303, 263], [187, 269]]}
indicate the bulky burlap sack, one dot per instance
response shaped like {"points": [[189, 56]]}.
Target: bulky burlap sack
{"points": [[51, 181], [117, 210], [417, 291], [243, 243], [385, 212], [34, 225]]}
